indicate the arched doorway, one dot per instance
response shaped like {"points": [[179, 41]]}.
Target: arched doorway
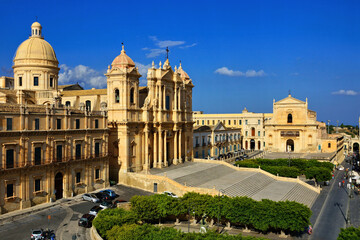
{"points": [[356, 147], [259, 145], [252, 144], [59, 185], [290, 145], [246, 145]]}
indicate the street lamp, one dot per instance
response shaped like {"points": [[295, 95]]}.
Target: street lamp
{"points": [[221, 193], [328, 121]]}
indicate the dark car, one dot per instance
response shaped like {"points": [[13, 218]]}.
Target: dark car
{"points": [[103, 196], [86, 220], [106, 204]]}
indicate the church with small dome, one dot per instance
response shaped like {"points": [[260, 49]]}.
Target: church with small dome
{"points": [[62, 140]]}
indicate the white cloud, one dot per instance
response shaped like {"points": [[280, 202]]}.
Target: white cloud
{"points": [[155, 52], [161, 45], [346, 92], [143, 69], [188, 46], [232, 73], [165, 43], [84, 75]]}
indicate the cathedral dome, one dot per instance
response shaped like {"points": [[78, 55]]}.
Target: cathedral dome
{"points": [[35, 50], [123, 60]]}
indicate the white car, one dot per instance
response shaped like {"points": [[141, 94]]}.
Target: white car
{"points": [[94, 211], [340, 168], [37, 234], [170, 194], [90, 197]]}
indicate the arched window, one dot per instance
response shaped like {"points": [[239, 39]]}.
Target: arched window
{"points": [[290, 119], [88, 105], [35, 31], [329, 145], [167, 104], [131, 95], [117, 96], [67, 103]]}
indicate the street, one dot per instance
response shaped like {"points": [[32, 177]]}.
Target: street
{"points": [[335, 210], [63, 218]]}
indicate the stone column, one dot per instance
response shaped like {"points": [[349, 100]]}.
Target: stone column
{"points": [[146, 146], [161, 147], [155, 149], [165, 150], [180, 146], [164, 102], [176, 147], [185, 146]]}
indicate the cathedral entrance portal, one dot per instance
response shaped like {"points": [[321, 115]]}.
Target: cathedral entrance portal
{"points": [[252, 144], [59, 185], [289, 145], [356, 147]]}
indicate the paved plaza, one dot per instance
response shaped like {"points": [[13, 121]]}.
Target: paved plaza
{"points": [[318, 156], [237, 183]]}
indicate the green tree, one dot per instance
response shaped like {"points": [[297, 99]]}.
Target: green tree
{"points": [[349, 233], [108, 218]]}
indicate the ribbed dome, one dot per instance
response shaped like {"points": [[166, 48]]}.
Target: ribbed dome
{"points": [[123, 60], [35, 48]]}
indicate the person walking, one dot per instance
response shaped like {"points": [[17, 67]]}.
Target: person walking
{"points": [[340, 184]]}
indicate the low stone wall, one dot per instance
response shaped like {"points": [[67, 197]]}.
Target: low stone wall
{"points": [[296, 180], [94, 235], [147, 182]]}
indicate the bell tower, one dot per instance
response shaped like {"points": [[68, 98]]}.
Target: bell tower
{"points": [[123, 113], [123, 89]]}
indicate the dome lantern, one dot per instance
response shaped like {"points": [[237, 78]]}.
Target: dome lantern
{"points": [[36, 29]]}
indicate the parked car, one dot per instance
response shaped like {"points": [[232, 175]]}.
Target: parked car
{"points": [[170, 194], [245, 156], [90, 197], [110, 192], [37, 234], [341, 168], [103, 196], [106, 204], [86, 220], [94, 211]]}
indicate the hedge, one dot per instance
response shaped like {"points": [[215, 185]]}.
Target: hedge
{"points": [[150, 232], [265, 215], [350, 233], [321, 171]]}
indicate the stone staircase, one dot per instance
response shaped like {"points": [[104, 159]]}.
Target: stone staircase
{"points": [[249, 186], [301, 194]]}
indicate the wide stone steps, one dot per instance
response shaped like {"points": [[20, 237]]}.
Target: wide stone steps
{"points": [[198, 178], [249, 186], [301, 194]]}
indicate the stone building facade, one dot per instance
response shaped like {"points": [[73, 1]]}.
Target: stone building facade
{"points": [[48, 150], [216, 141]]}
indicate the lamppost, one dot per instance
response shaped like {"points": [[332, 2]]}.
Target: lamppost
{"points": [[328, 121], [221, 193], [190, 206]]}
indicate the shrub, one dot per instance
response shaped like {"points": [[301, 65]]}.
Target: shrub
{"points": [[108, 218], [350, 233]]}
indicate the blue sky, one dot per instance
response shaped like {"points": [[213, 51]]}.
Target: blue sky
{"points": [[238, 53]]}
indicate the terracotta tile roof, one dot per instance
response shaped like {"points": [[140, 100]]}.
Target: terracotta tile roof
{"points": [[84, 92]]}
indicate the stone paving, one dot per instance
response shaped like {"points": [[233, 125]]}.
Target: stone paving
{"points": [[237, 183], [276, 155]]}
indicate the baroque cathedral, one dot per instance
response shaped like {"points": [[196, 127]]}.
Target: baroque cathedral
{"points": [[61, 140]]}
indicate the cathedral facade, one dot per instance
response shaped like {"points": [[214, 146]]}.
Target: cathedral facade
{"points": [[60, 141]]}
